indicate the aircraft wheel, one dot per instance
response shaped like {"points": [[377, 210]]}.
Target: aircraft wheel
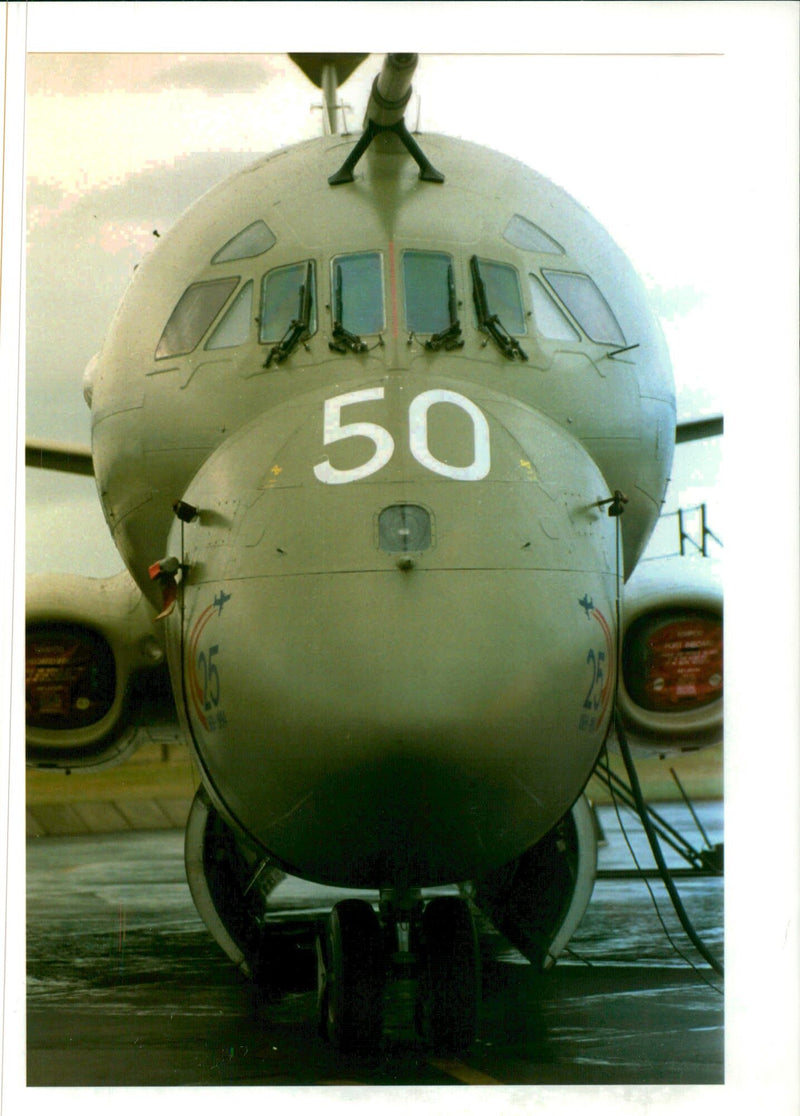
{"points": [[351, 977], [447, 1008]]}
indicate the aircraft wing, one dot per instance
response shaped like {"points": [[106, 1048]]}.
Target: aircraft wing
{"points": [[63, 457], [695, 429]]}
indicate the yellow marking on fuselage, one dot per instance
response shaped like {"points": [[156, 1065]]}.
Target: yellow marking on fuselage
{"points": [[468, 1075]]}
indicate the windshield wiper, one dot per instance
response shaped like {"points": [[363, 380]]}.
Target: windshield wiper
{"points": [[451, 337], [343, 340], [299, 327], [616, 352], [490, 323]]}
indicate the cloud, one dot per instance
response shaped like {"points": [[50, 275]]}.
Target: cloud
{"points": [[78, 74], [674, 302], [44, 194], [65, 529], [214, 76], [69, 74]]}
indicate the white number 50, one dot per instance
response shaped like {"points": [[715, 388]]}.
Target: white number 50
{"points": [[334, 431]]}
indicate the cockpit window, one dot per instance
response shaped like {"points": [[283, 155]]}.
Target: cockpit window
{"points": [[550, 319], [197, 308], [283, 295], [252, 241], [503, 297], [358, 293], [429, 291], [234, 328], [524, 234], [587, 306]]}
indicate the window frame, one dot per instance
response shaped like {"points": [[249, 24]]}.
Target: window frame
{"points": [[225, 254], [379, 255], [493, 310], [313, 325], [545, 271], [536, 283], [221, 281], [451, 265], [217, 325]]}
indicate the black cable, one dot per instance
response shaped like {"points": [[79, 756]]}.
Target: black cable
{"points": [[578, 957], [666, 831], [652, 838], [654, 901], [636, 789]]}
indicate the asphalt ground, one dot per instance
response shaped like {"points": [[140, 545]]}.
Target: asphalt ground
{"points": [[126, 988]]}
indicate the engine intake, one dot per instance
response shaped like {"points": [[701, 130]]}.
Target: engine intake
{"points": [[94, 671], [671, 684]]}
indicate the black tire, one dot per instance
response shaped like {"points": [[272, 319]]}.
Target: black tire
{"points": [[449, 991], [352, 977]]}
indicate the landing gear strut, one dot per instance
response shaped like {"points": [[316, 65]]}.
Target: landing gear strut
{"points": [[360, 953]]}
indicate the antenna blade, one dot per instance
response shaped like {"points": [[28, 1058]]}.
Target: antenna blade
{"points": [[313, 65]]}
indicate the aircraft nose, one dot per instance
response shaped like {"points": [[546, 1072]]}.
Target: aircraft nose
{"points": [[407, 675]]}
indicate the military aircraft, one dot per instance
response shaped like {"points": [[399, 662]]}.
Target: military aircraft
{"points": [[381, 429]]}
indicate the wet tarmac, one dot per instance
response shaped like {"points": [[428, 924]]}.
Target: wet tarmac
{"points": [[126, 987]]}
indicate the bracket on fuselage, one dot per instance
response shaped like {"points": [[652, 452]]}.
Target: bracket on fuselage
{"points": [[427, 171]]}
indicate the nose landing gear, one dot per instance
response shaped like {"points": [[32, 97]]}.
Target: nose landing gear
{"points": [[361, 958]]}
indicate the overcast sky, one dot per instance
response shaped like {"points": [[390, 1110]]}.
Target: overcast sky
{"points": [[653, 143]]}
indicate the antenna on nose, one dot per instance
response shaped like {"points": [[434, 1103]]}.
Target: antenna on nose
{"points": [[391, 90], [328, 72]]}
